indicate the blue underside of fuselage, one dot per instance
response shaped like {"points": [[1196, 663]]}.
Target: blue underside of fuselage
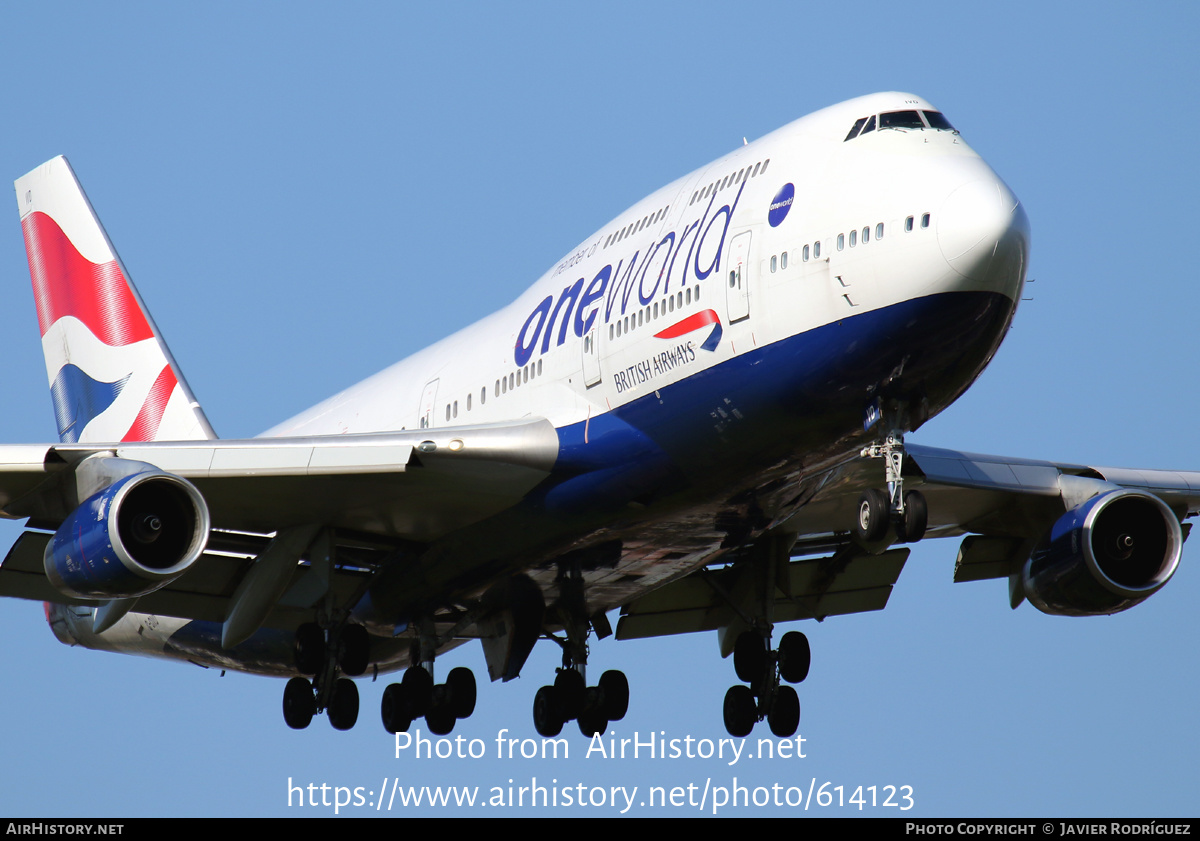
{"points": [[804, 396]]}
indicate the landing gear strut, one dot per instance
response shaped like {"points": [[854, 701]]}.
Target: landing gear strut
{"points": [[569, 697], [347, 649], [766, 697], [876, 508]]}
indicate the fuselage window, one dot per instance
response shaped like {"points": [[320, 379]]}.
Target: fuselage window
{"points": [[447, 411], [766, 163], [841, 241], [756, 166], [879, 231], [671, 300], [511, 384], [866, 236], [925, 221], [773, 259], [610, 332], [853, 238], [504, 385], [656, 309], [697, 293], [908, 224], [681, 300], [689, 295], [695, 196], [497, 388], [468, 402], [483, 395], [525, 373], [804, 254], [455, 408], [817, 249], [783, 260], [539, 368]]}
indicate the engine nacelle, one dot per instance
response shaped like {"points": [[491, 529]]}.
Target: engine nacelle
{"points": [[1107, 555], [129, 539]]}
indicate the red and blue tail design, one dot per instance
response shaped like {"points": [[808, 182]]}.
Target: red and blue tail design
{"points": [[693, 322], [111, 375]]}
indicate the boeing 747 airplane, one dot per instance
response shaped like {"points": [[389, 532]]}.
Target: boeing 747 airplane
{"points": [[696, 416]]}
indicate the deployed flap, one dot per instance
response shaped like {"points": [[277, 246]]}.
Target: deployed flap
{"points": [[111, 375], [820, 587]]}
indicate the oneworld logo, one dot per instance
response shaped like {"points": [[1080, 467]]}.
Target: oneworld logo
{"points": [[781, 204]]}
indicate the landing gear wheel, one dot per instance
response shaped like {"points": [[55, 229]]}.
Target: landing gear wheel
{"points": [[393, 709], [309, 648], [749, 656], [592, 722], [615, 687], [298, 703], [343, 705], [418, 687], [740, 711], [795, 656], [546, 718], [872, 520], [439, 718], [353, 650], [916, 517], [570, 688], [784, 716], [460, 685]]}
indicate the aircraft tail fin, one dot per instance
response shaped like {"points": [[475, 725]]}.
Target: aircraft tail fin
{"points": [[112, 377]]}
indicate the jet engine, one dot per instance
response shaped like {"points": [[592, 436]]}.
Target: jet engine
{"points": [[1107, 555], [131, 538]]}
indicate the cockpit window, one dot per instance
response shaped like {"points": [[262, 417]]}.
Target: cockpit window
{"points": [[854, 131], [900, 119], [870, 126], [937, 120]]}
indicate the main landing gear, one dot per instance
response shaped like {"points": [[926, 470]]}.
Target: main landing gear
{"points": [[416, 695], [766, 697], [322, 654], [569, 697]]}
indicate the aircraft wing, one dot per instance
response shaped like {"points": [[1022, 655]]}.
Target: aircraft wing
{"points": [[393, 488], [1004, 508]]}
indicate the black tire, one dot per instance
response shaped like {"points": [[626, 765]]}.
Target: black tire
{"points": [[354, 650], [343, 705], [309, 647], [418, 686], [592, 722], [393, 709], [916, 517], [461, 685], [615, 686], [750, 656], [570, 690], [546, 718], [784, 716], [873, 513], [298, 703], [439, 718], [795, 656], [740, 711]]}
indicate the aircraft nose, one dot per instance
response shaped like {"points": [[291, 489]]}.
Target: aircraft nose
{"points": [[984, 235]]}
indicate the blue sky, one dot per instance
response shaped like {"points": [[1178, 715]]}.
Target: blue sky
{"points": [[304, 194]]}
